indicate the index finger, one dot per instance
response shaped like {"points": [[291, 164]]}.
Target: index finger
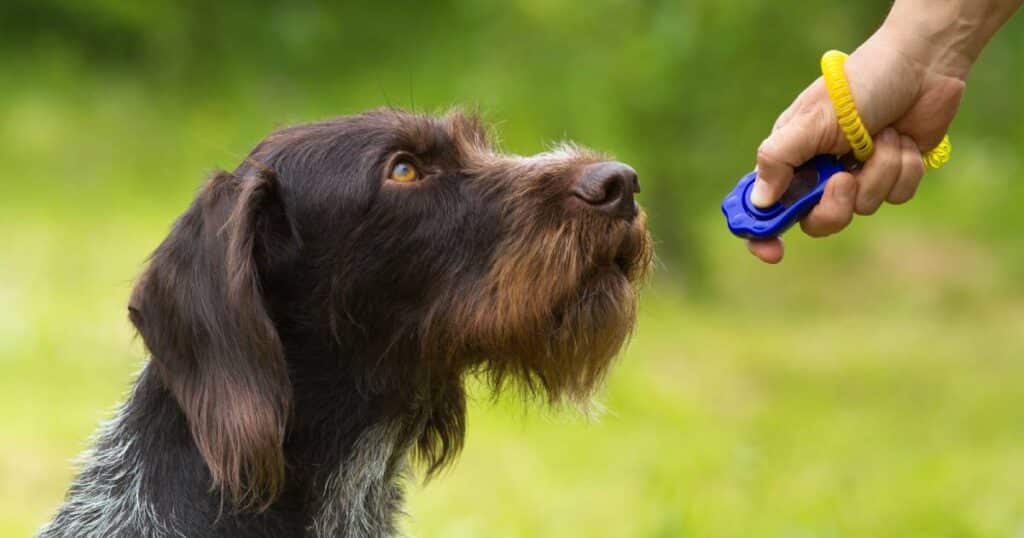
{"points": [[799, 139]]}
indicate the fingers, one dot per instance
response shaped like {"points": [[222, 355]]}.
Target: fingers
{"points": [[892, 174], [880, 173], [911, 172], [803, 134], [832, 214], [767, 250], [835, 211]]}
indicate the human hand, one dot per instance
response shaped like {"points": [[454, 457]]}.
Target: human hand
{"points": [[906, 99]]}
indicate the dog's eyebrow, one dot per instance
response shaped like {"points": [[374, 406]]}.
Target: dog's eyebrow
{"points": [[421, 135]]}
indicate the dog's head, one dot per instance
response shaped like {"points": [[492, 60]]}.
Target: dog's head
{"points": [[404, 236]]}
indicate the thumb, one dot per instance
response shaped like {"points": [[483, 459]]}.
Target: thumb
{"points": [[807, 133]]}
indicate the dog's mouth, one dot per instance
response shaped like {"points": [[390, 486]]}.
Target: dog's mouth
{"points": [[629, 253], [626, 252]]}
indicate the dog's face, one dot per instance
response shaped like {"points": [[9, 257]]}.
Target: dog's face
{"points": [[405, 232], [525, 265]]}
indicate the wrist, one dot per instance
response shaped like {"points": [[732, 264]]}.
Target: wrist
{"points": [[936, 39], [945, 36]]}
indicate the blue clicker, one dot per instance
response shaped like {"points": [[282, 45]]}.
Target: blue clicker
{"points": [[809, 180]]}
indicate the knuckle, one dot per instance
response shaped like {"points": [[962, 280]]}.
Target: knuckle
{"points": [[824, 123], [867, 206], [870, 196], [906, 187], [913, 165], [900, 196], [783, 118], [813, 228], [915, 169], [872, 191], [894, 154], [834, 219], [768, 153]]}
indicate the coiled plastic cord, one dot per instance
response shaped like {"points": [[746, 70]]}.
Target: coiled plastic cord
{"points": [[832, 70]]}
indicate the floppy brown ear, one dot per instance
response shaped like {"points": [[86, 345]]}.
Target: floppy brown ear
{"points": [[200, 311]]}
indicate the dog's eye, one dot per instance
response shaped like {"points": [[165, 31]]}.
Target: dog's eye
{"points": [[404, 172]]}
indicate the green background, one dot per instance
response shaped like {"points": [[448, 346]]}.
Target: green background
{"points": [[871, 385]]}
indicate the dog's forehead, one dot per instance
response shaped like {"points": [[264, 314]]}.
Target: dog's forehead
{"points": [[455, 133]]}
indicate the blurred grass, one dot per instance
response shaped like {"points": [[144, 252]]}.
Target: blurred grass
{"points": [[869, 386]]}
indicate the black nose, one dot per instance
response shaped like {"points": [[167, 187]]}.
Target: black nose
{"points": [[608, 187]]}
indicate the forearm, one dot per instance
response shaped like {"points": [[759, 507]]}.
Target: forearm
{"points": [[947, 35]]}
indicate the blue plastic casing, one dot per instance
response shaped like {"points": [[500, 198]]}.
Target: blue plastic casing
{"points": [[747, 220]]}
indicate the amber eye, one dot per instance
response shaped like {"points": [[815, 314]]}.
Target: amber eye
{"points": [[404, 172]]}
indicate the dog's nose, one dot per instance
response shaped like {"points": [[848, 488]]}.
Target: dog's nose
{"points": [[608, 187]]}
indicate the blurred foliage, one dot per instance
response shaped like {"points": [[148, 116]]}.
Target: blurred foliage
{"points": [[683, 90], [869, 386]]}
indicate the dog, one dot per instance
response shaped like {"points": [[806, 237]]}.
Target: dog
{"points": [[312, 316]]}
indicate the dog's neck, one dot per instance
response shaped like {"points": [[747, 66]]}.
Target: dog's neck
{"points": [[363, 494], [346, 457], [348, 442]]}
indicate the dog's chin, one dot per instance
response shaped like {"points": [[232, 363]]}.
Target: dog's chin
{"points": [[595, 320], [587, 332], [575, 306], [625, 254]]}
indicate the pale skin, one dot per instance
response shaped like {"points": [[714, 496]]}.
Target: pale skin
{"points": [[907, 80]]}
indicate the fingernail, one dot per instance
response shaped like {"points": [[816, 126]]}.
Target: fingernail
{"points": [[760, 195]]}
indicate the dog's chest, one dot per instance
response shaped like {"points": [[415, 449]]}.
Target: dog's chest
{"points": [[364, 496]]}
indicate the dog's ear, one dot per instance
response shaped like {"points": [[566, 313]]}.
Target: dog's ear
{"points": [[201, 313]]}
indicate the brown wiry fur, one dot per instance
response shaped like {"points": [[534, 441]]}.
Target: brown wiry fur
{"points": [[215, 344], [525, 320], [304, 298]]}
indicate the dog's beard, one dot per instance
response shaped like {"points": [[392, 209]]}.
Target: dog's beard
{"points": [[581, 339], [570, 350], [556, 308]]}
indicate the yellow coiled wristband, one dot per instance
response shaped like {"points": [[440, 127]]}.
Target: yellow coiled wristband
{"points": [[834, 74]]}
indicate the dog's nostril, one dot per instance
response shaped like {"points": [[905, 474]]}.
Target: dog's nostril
{"points": [[608, 187], [612, 192]]}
